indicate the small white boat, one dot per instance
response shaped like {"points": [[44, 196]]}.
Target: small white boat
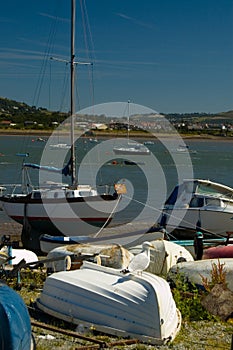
{"points": [[194, 270], [93, 140], [148, 143], [183, 149], [40, 139], [48, 242], [131, 305], [111, 255], [17, 255], [164, 255], [132, 149], [127, 238], [202, 203], [60, 146]]}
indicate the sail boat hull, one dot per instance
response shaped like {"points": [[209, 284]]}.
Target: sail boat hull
{"points": [[137, 150], [62, 216]]}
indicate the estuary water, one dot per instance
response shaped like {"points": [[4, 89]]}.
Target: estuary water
{"points": [[149, 179]]}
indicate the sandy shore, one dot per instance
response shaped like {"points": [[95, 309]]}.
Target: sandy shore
{"points": [[11, 229], [104, 134]]}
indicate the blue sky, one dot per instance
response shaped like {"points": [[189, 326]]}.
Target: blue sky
{"points": [[168, 55]]}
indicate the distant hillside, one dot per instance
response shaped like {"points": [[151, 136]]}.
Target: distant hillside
{"points": [[218, 118], [11, 107], [19, 112]]}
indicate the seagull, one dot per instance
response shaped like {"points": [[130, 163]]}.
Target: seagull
{"points": [[140, 261]]}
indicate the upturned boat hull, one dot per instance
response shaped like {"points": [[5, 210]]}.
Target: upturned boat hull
{"points": [[105, 299], [164, 255], [197, 271]]}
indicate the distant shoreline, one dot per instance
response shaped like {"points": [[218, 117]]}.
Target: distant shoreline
{"points": [[104, 134]]}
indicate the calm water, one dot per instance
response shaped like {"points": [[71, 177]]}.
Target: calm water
{"points": [[148, 183]]}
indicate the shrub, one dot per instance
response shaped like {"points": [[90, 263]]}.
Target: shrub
{"points": [[218, 276], [188, 300]]}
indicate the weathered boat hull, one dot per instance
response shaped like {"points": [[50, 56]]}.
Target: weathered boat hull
{"points": [[15, 330], [164, 255], [111, 255], [18, 254], [202, 203], [212, 221], [120, 236], [219, 252], [194, 271], [61, 216], [111, 302]]}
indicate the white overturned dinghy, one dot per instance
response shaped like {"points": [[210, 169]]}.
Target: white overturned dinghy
{"points": [[164, 255], [103, 298]]}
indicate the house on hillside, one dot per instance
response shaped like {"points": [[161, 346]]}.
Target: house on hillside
{"points": [[99, 126], [5, 123], [29, 123]]}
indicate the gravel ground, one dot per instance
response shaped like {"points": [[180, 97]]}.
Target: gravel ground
{"points": [[200, 335]]}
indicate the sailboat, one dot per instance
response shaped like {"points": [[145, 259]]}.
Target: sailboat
{"points": [[60, 209], [132, 148]]}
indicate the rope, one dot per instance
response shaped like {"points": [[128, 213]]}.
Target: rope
{"points": [[110, 216], [172, 216], [44, 62], [89, 45]]}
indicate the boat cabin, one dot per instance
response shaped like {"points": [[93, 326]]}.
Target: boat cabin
{"points": [[79, 191], [199, 194]]}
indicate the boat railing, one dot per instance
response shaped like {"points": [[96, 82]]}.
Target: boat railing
{"points": [[13, 190]]}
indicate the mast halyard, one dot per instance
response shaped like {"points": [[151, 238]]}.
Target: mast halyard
{"points": [[72, 95]]}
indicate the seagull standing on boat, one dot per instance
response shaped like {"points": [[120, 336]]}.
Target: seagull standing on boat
{"points": [[140, 261]]}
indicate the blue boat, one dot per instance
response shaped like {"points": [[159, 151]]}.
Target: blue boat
{"points": [[15, 330], [22, 154]]}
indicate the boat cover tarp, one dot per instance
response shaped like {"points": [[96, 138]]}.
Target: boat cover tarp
{"points": [[65, 171], [15, 330]]}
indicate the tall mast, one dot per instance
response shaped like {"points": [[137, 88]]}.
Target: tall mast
{"points": [[128, 112], [72, 93]]}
